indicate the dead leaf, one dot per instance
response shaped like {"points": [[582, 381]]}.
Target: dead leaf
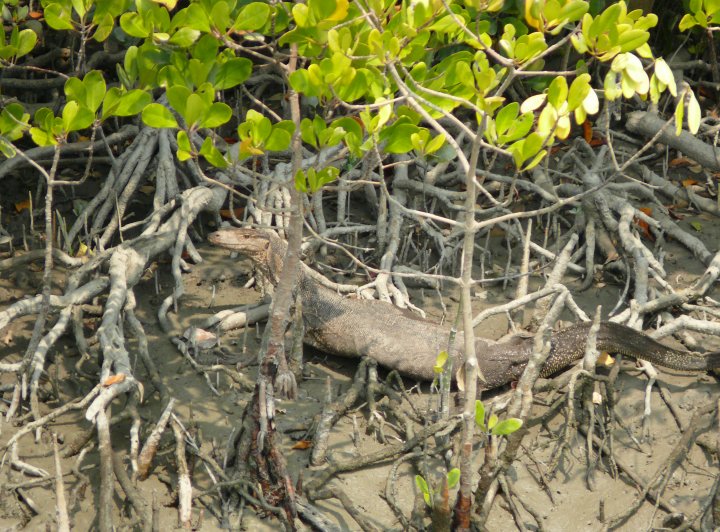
{"points": [[22, 205], [681, 161], [302, 445], [460, 378], [643, 225], [605, 359], [225, 213], [113, 379]]}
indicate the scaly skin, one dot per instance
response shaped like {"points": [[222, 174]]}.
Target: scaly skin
{"points": [[355, 327]]}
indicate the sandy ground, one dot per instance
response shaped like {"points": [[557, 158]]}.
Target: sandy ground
{"points": [[565, 503]]}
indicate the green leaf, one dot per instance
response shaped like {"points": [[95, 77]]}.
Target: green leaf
{"points": [[195, 109], [605, 21], [132, 103], [94, 89], [434, 144], [679, 115], [278, 140], [538, 158], [80, 7], [218, 114], [398, 137], [453, 477], [177, 96], [156, 115], [480, 415], [351, 127], [424, 489], [573, 10], [696, 225], [220, 15], [197, 18], [232, 73], [75, 90], [712, 7], [184, 37], [133, 25], [557, 92], [317, 180], [183, 141], [492, 421], [212, 154], [579, 89], [76, 117], [632, 39], [307, 132], [105, 25], [58, 17], [26, 42], [7, 149], [206, 49], [13, 121], [252, 17], [261, 127], [301, 181], [301, 14], [507, 426], [312, 179], [506, 116], [42, 137], [440, 362], [687, 22]]}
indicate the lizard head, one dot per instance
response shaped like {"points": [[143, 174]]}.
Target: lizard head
{"points": [[264, 248]]}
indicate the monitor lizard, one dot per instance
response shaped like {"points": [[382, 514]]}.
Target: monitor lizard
{"points": [[350, 327]]}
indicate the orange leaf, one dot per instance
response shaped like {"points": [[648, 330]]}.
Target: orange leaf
{"points": [[302, 445], [35, 14], [689, 182], [680, 161], [587, 131], [642, 224], [22, 205], [113, 379]]}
